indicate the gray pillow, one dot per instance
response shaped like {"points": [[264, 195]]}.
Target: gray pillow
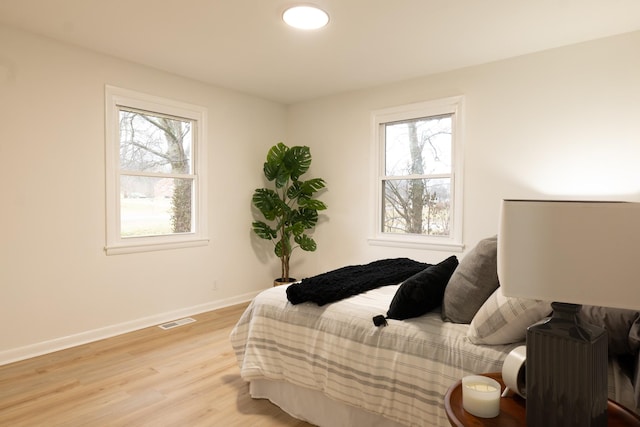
{"points": [[623, 327], [472, 282]]}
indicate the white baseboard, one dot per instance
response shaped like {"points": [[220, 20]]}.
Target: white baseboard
{"points": [[45, 347]]}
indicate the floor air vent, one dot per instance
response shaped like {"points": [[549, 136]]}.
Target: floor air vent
{"points": [[176, 323]]}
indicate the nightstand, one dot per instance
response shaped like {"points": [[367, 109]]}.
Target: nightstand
{"points": [[512, 410]]}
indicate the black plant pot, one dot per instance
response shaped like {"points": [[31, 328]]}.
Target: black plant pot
{"points": [[282, 281]]}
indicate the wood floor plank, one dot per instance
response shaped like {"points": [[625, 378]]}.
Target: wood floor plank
{"points": [[186, 376]]}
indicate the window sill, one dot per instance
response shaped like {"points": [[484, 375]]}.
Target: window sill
{"points": [[414, 243], [151, 247]]}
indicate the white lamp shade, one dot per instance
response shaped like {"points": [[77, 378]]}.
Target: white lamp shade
{"points": [[573, 252]]}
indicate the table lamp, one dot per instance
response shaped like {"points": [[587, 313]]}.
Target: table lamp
{"points": [[569, 253]]}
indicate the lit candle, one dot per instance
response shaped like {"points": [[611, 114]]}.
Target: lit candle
{"points": [[481, 396]]}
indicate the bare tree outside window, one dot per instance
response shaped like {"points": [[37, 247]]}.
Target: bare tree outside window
{"points": [[156, 180], [417, 181]]}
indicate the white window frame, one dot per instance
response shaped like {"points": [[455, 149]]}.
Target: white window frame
{"points": [[115, 98], [452, 105]]}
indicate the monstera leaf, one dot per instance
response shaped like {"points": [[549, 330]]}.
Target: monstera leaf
{"points": [[290, 208]]}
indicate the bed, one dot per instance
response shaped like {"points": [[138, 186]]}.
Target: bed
{"points": [[331, 366]]}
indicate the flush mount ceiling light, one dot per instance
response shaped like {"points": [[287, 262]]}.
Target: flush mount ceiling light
{"points": [[305, 17]]}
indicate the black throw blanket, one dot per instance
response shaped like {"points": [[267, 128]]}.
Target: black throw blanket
{"points": [[347, 281]]}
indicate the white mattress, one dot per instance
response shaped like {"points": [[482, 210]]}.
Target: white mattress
{"points": [[314, 407], [400, 371]]}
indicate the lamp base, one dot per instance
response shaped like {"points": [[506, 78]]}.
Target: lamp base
{"points": [[566, 371]]}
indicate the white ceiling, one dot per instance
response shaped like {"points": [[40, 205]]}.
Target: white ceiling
{"points": [[244, 45]]}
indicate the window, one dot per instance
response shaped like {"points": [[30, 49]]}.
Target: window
{"points": [[418, 175], [156, 157]]}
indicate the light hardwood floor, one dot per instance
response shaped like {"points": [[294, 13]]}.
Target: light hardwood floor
{"points": [[187, 376]]}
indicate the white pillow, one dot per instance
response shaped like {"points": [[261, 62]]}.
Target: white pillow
{"points": [[504, 320]]}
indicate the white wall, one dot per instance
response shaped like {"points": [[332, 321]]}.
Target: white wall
{"points": [[560, 123], [57, 286]]}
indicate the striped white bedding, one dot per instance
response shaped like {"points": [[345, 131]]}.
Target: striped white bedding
{"points": [[401, 371]]}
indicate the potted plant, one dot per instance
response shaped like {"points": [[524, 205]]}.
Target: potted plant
{"points": [[290, 209]]}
